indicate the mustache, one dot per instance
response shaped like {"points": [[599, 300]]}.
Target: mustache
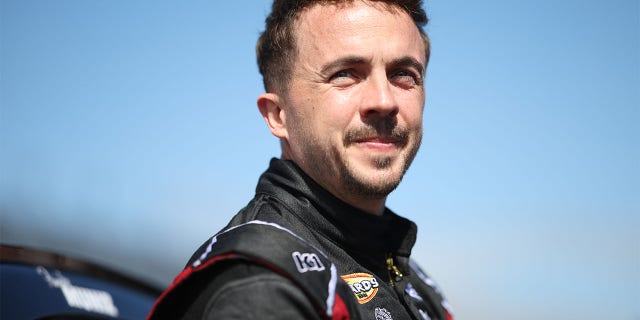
{"points": [[386, 129]]}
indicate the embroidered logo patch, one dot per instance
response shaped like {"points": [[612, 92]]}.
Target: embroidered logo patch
{"points": [[363, 285], [307, 262], [383, 314]]}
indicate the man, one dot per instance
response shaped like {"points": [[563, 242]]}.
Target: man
{"points": [[345, 96]]}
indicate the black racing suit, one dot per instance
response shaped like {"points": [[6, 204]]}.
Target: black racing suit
{"points": [[247, 270]]}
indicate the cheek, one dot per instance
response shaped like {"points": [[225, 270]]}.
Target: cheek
{"points": [[416, 118], [334, 113], [342, 108], [312, 127], [413, 109]]}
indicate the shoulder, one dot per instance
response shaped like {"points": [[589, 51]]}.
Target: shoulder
{"points": [[242, 290], [255, 259]]}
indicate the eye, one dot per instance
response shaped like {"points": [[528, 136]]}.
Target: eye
{"points": [[343, 78], [406, 78], [341, 74]]}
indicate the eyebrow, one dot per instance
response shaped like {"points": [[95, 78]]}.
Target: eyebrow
{"points": [[409, 62], [356, 60], [342, 62]]}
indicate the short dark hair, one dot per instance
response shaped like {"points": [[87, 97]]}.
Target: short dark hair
{"points": [[276, 48]]}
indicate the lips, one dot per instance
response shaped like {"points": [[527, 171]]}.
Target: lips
{"points": [[382, 140]]}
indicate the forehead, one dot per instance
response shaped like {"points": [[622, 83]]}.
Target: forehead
{"points": [[357, 28]]}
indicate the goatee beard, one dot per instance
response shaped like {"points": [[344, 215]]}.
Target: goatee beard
{"points": [[387, 129]]}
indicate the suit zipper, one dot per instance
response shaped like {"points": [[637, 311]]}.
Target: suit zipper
{"points": [[396, 276], [394, 272]]}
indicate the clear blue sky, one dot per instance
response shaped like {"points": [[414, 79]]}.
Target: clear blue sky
{"points": [[129, 134]]}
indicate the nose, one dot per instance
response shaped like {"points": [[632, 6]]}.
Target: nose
{"points": [[378, 97]]}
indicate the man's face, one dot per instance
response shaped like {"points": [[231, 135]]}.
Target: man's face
{"points": [[353, 111]]}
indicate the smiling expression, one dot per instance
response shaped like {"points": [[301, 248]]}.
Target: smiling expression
{"points": [[352, 115]]}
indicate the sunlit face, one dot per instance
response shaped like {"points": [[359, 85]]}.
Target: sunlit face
{"points": [[353, 113]]}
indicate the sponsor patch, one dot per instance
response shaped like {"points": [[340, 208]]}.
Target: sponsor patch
{"points": [[363, 285], [383, 314], [307, 262]]}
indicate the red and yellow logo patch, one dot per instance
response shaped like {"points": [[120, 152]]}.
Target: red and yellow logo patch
{"points": [[363, 285]]}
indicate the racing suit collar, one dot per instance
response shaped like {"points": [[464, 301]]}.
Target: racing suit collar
{"points": [[368, 238]]}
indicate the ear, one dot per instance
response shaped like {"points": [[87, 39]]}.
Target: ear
{"points": [[270, 107]]}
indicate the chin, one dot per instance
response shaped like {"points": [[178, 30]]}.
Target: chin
{"points": [[372, 183]]}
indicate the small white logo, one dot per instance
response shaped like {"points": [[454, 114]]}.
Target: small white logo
{"points": [[307, 262], [425, 316], [383, 314], [412, 292], [78, 297]]}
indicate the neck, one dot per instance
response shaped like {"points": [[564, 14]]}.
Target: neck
{"points": [[373, 206], [369, 204]]}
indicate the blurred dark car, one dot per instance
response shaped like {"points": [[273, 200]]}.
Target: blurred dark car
{"points": [[35, 284]]}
